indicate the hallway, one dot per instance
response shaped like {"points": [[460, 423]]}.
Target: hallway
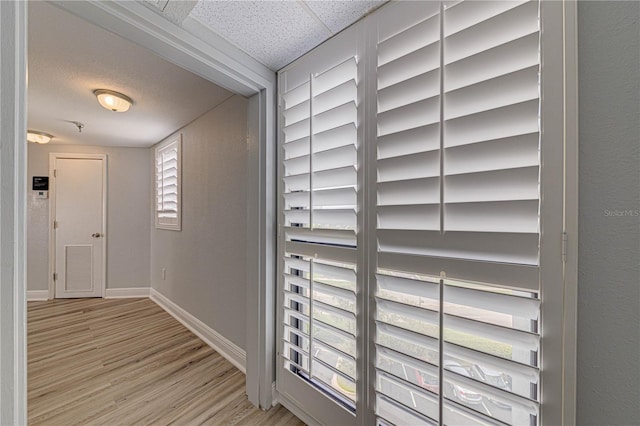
{"points": [[127, 361]]}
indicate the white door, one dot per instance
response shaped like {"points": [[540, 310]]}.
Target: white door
{"points": [[79, 227]]}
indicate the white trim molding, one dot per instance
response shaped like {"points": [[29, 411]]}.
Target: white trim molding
{"points": [[13, 190], [37, 295], [125, 293], [229, 350]]}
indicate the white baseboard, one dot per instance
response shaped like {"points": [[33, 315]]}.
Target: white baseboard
{"points": [[36, 295], [219, 343], [123, 293]]}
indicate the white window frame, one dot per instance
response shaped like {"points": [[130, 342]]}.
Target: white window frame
{"points": [[173, 224]]}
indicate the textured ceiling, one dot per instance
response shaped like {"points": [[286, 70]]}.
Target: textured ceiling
{"points": [[70, 58], [277, 32]]}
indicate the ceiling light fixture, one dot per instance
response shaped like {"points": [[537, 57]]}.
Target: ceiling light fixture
{"points": [[113, 101], [38, 137]]}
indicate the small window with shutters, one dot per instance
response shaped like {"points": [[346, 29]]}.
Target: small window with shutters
{"points": [[168, 190]]}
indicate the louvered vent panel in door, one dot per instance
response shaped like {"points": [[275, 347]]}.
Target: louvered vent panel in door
{"points": [[320, 206], [78, 268], [408, 202]]}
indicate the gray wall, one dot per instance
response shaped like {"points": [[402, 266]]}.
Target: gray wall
{"points": [[609, 246], [128, 215], [206, 262]]}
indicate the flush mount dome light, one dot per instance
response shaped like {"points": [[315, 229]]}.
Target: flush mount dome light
{"points": [[38, 137], [113, 101]]}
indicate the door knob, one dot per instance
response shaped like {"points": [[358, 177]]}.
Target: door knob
{"points": [[96, 235]]}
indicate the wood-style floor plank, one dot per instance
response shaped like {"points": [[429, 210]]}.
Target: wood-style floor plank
{"points": [[128, 362]]}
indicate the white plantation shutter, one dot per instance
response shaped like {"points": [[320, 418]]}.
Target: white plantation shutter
{"points": [[167, 157], [408, 204], [449, 251], [319, 105], [458, 215]]}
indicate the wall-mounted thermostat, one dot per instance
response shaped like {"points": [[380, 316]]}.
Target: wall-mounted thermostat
{"points": [[41, 186]]}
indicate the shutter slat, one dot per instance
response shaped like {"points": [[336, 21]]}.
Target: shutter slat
{"points": [[334, 219], [297, 182], [492, 393], [519, 216], [408, 192], [294, 280], [335, 197], [414, 217], [502, 185], [411, 116], [407, 396], [331, 253], [324, 236], [516, 338], [335, 178], [296, 95], [338, 116], [299, 217], [296, 264], [416, 166], [296, 199], [337, 276], [509, 89], [386, 358], [408, 287], [466, 14], [323, 371], [418, 62], [296, 166], [411, 39], [297, 130], [345, 365], [397, 314], [515, 23], [525, 277], [335, 137], [496, 302], [340, 298], [412, 141], [296, 148], [423, 86], [513, 248], [498, 123], [337, 339], [335, 76], [504, 59], [502, 154], [395, 413], [511, 368], [334, 97], [296, 114], [416, 345], [335, 158]]}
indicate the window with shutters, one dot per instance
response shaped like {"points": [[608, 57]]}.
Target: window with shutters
{"points": [[168, 191], [421, 216]]}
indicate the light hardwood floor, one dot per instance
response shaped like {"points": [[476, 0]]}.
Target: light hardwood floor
{"points": [[126, 362]]}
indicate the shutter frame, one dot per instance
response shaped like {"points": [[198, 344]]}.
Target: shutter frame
{"points": [[168, 178]]}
